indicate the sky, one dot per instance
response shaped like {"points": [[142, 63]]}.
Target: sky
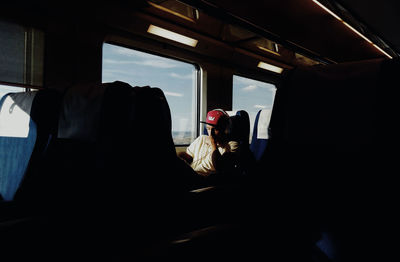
{"points": [[252, 96], [178, 82]]}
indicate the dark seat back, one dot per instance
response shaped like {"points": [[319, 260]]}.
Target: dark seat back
{"points": [[239, 131], [331, 134], [124, 174]]}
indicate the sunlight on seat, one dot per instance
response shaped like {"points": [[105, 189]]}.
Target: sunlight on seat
{"points": [[14, 122]]}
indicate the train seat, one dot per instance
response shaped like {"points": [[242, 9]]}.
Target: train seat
{"points": [[259, 140], [28, 121], [115, 154], [113, 137], [239, 130], [331, 133], [28, 124]]}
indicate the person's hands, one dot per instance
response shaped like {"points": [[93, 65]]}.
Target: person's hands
{"points": [[213, 139], [186, 157]]}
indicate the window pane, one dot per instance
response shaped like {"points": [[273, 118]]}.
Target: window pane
{"points": [[252, 96], [21, 54], [12, 42], [177, 80]]}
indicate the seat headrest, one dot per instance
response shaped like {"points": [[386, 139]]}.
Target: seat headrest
{"points": [[331, 105], [239, 127], [245, 124], [80, 112], [86, 107]]}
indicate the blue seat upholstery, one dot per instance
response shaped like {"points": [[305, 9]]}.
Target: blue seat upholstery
{"points": [[260, 135], [27, 123], [17, 140]]}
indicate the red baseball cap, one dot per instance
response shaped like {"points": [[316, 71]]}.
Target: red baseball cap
{"points": [[214, 117]]}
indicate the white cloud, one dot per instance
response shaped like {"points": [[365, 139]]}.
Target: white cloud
{"points": [[118, 62], [252, 84], [156, 63], [175, 75], [173, 94], [249, 88], [243, 80], [140, 58], [116, 71], [260, 106], [116, 74], [130, 52]]}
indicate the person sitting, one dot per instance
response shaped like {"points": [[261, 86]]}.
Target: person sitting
{"points": [[212, 153]]}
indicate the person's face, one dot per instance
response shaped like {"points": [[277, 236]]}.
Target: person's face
{"points": [[209, 128]]}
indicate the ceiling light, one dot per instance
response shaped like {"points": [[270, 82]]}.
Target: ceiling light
{"points": [[327, 10], [386, 54], [270, 67], [172, 35], [358, 33], [349, 26]]}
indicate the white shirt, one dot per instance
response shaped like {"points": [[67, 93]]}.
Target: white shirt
{"points": [[201, 152]]}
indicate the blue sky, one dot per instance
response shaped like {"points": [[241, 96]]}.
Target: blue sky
{"points": [[252, 96]]}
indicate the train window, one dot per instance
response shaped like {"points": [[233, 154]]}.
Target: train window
{"points": [[252, 95], [177, 79], [21, 55]]}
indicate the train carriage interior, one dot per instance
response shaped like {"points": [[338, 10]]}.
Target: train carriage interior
{"points": [[98, 99]]}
